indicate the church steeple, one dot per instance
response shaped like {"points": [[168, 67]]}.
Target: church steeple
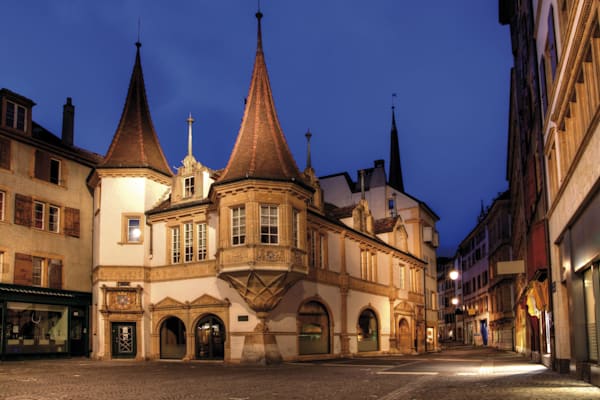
{"points": [[395, 167], [261, 150], [135, 144]]}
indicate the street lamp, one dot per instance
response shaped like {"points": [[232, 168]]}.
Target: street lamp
{"points": [[454, 275], [455, 303]]}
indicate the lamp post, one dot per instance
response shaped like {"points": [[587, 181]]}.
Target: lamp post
{"points": [[454, 303], [454, 275]]}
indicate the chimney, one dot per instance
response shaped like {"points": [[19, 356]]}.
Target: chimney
{"points": [[68, 122]]}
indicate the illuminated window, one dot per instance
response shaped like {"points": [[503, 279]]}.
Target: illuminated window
{"points": [[188, 242], [238, 225], [38, 215], [201, 241], [53, 218], [175, 243], [188, 186], [134, 230], [269, 222]]}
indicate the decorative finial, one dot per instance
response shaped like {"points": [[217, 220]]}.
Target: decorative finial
{"points": [[308, 158], [190, 121], [138, 44], [393, 104]]}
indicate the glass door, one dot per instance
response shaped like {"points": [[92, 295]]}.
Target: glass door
{"points": [[123, 340]]}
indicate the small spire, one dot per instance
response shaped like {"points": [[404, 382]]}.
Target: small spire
{"points": [[259, 16], [190, 121], [362, 184], [395, 178], [308, 158], [139, 29]]}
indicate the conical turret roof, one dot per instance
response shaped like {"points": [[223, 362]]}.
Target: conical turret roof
{"points": [[261, 150], [135, 144]]}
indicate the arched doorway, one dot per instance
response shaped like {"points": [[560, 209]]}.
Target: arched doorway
{"points": [[313, 325], [404, 344], [368, 331], [172, 338], [210, 338]]}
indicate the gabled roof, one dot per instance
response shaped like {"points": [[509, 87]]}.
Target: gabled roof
{"points": [[135, 144], [261, 150]]}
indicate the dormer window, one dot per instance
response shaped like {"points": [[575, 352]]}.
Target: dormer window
{"points": [[15, 116], [188, 186]]}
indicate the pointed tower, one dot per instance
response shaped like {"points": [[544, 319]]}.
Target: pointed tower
{"points": [[261, 150], [262, 198], [395, 167], [135, 144], [133, 177]]}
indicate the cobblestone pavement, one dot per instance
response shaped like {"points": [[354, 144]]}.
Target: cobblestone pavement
{"points": [[452, 374]]}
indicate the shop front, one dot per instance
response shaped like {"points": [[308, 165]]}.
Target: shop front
{"points": [[43, 322]]}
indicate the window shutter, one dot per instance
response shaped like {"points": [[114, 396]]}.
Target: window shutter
{"points": [[42, 165], [4, 153], [23, 274], [23, 210], [71, 227], [55, 274]]}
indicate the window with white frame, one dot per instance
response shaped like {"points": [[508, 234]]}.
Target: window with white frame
{"points": [[175, 245], [188, 242], [36, 271], [238, 225], [53, 218], [39, 209], [2, 204], [134, 229], [201, 232], [269, 224], [188, 186], [15, 116]]}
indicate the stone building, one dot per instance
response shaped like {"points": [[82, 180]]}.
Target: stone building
{"points": [[525, 166], [45, 234], [257, 262], [568, 45]]}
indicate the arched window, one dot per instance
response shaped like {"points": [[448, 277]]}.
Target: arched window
{"points": [[368, 331], [313, 322]]}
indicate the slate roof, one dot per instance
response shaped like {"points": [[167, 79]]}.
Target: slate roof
{"points": [[135, 143], [261, 150]]}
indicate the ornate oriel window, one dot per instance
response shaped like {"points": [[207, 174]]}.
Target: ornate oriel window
{"points": [[269, 224], [238, 225]]}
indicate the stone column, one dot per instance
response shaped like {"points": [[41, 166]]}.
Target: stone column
{"points": [[260, 346]]}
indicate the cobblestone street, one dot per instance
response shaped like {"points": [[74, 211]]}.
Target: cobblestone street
{"points": [[452, 374]]}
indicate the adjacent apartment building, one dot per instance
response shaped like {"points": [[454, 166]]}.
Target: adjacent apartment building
{"points": [[45, 234]]}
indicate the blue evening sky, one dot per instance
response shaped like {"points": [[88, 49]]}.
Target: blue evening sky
{"points": [[333, 65]]}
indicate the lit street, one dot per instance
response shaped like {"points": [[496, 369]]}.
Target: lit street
{"points": [[452, 374]]}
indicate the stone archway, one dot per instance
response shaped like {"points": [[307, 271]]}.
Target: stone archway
{"points": [[313, 329], [172, 339]]}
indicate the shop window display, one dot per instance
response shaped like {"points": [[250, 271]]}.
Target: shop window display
{"points": [[36, 328]]}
